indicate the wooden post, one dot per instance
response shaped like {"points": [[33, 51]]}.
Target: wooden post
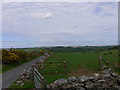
{"points": [[100, 63], [44, 84], [36, 65], [32, 73], [40, 66], [50, 67], [65, 66]]}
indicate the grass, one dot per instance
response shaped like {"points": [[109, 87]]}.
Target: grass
{"points": [[28, 84], [6, 68], [51, 78], [77, 60], [87, 60]]}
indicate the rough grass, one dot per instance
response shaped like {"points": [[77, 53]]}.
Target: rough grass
{"points": [[28, 84], [51, 78]]}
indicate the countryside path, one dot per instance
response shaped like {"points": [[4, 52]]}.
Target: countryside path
{"points": [[9, 77]]}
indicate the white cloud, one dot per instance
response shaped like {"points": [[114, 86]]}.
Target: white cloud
{"points": [[61, 1], [41, 14], [82, 22]]}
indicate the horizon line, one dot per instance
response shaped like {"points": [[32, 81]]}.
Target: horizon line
{"points": [[57, 46]]}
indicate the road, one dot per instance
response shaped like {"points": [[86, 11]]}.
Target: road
{"points": [[9, 77]]}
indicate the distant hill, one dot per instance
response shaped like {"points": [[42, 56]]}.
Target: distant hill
{"points": [[70, 48], [79, 48]]}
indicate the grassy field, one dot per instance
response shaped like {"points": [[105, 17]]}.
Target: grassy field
{"points": [[78, 61]]}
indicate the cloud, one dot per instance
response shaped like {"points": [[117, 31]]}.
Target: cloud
{"points": [[61, 1], [41, 15], [86, 23]]}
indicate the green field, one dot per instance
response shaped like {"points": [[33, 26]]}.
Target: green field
{"points": [[78, 61]]}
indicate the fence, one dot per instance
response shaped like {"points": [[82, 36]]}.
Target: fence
{"points": [[38, 79], [52, 67], [101, 63]]}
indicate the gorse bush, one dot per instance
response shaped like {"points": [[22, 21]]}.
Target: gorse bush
{"points": [[13, 55], [9, 57], [22, 54]]}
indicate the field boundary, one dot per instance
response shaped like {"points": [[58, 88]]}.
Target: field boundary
{"points": [[38, 79], [51, 67]]}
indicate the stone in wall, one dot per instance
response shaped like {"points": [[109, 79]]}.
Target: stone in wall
{"points": [[106, 80]]}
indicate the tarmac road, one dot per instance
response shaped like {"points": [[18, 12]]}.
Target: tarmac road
{"points": [[9, 77]]}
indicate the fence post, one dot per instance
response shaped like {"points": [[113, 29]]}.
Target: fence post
{"points": [[50, 68], [100, 63], [32, 73], [36, 65], [44, 84], [65, 66]]}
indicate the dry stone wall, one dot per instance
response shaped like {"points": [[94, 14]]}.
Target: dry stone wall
{"points": [[106, 80], [26, 74]]}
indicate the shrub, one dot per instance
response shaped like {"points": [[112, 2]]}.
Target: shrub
{"points": [[8, 57]]}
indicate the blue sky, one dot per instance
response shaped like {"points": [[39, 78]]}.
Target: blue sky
{"points": [[29, 24]]}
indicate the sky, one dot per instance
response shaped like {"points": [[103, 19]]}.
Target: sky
{"points": [[35, 24]]}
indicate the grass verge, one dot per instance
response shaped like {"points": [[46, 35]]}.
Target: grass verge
{"points": [[28, 84], [6, 68]]}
